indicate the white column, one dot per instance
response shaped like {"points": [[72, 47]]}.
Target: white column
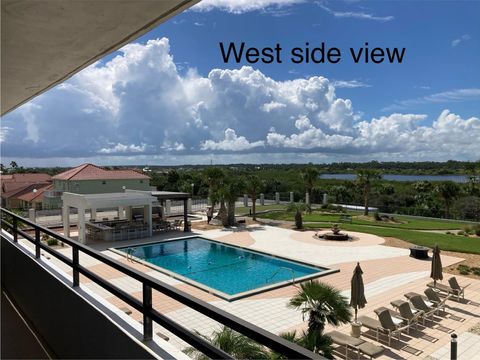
{"points": [[245, 200], [66, 220], [168, 205], [307, 199], [81, 225], [262, 199], [291, 197], [128, 213], [189, 206], [147, 216], [31, 214], [277, 198], [93, 214], [325, 199], [121, 212]]}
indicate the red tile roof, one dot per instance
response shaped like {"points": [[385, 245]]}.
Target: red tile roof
{"points": [[93, 172], [19, 191], [35, 195], [31, 177], [13, 183]]}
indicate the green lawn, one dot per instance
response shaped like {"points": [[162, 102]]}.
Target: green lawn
{"points": [[246, 210], [444, 241], [406, 222], [404, 231]]}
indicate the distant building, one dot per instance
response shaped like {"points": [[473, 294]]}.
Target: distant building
{"points": [[91, 179], [23, 191]]}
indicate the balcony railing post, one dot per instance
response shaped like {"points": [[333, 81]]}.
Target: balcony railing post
{"points": [[147, 307], [15, 228], [75, 260], [37, 243]]}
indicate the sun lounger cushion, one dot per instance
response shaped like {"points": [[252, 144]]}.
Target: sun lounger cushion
{"points": [[442, 287], [344, 339], [370, 349], [369, 322]]}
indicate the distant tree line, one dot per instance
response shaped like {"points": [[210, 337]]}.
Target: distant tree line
{"points": [[422, 198]]}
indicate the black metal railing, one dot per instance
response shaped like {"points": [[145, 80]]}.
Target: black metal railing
{"points": [[254, 332]]}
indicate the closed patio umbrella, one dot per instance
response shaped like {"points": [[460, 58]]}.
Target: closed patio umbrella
{"points": [[436, 273], [357, 296]]}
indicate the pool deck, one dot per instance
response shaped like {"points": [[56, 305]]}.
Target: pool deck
{"points": [[388, 274]]}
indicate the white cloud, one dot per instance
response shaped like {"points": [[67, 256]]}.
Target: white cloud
{"points": [[458, 95], [176, 146], [356, 15], [272, 105], [462, 38], [349, 84], [4, 130], [139, 106], [231, 142], [124, 149], [242, 6]]}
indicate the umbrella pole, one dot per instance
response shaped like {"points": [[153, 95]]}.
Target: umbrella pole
{"points": [[356, 311]]}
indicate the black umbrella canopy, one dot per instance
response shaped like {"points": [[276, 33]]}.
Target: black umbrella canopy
{"points": [[357, 296], [436, 272]]}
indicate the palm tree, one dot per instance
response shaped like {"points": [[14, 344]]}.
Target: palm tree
{"points": [[214, 178], [339, 192], [365, 179], [322, 303], [471, 169], [310, 177], [448, 191], [233, 343], [231, 189], [13, 165], [253, 186], [298, 208]]}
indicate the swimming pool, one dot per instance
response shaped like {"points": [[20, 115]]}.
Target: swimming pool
{"points": [[228, 271]]}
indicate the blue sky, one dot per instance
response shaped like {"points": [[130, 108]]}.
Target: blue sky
{"points": [[170, 99]]}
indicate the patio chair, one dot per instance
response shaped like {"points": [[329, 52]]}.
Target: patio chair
{"points": [[370, 323], [459, 290], [345, 340], [359, 345], [178, 224], [407, 314], [388, 325], [435, 299], [409, 295], [420, 305], [443, 289]]}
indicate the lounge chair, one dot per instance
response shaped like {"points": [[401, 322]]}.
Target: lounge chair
{"points": [[407, 314], [435, 299], [459, 290], [345, 340], [359, 345], [446, 289], [177, 224], [370, 323], [419, 304], [388, 325]]}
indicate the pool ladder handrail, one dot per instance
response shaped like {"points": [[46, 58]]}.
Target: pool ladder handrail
{"points": [[283, 268], [129, 253]]}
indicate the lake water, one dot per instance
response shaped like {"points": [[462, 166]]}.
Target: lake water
{"points": [[394, 177]]}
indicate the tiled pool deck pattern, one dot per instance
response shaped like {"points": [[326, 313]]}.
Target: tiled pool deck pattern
{"points": [[388, 274]]}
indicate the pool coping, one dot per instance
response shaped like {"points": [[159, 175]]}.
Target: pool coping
{"points": [[326, 271]]}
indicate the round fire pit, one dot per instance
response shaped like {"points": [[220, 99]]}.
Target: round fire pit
{"points": [[335, 235]]}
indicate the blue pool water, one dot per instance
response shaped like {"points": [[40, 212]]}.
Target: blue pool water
{"points": [[229, 269]]}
